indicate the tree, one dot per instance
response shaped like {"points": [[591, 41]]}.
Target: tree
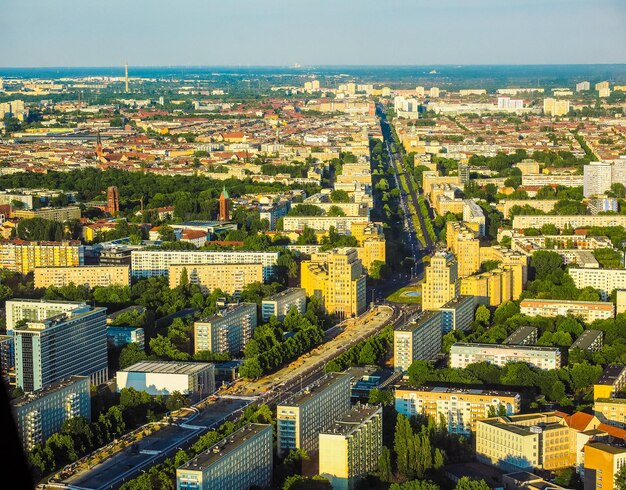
{"points": [[620, 479], [175, 401], [339, 196], [131, 354], [483, 315], [415, 485], [419, 372], [385, 471], [184, 277], [505, 311], [467, 483], [402, 444], [544, 263], [166, 234], [335, 211], [251, 369], [382, 397], [378, 270]]}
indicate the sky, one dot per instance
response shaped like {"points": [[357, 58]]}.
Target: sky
{"points": [[74, 33]]}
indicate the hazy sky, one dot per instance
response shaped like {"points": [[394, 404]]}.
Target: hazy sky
{"points": [[313, 32]]}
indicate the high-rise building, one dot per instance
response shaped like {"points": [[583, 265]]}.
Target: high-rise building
{"points": [[42, 413], [224, 206], [349, 449], [457, 314], [126, 88], [337, 278], [240, 460], [461, 408], [597, 178], [463, 354], [555, 107], [442, 281], [227, 331], [601, 85], [113, 201], [301, 418], [582, 86], [418, 340], [230, 278], [7, 354], [86, 275], [36, 310], [466, 247], [24, 257], [464, 172], [281, 304], [71, 343]]}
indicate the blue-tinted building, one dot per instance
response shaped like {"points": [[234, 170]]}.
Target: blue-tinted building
{"points": [[121, 336]]}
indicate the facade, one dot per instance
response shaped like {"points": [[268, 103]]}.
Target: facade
{"points": [[555, 107], [611, 411], [281, 303], [589, 340], [113, 198], [36, 310], [420, 339], [155, 263], [612, 381], [241, 460], [301, 418], [7, 354], [466, 247], [523, 336], [457, 314], [589, 311], [494, 287], [597, 178], [441, 284], [71, 343], [521, 222], [461, 408], [342, 224], [230, 278], [121, 336], [602, 462], [604, 280], [24, 257], [463, 354], [52, 214], [42, 413], [166, 377], [86, 275], [228, 331], [224, 214], [349, 449], [337, 278], [473, 213]]}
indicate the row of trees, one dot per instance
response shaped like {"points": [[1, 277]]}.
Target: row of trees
{"points": [[366, 352]]}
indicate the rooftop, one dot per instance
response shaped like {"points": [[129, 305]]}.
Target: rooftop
{"points": [[607, 448], [586, 339], [314, 389], [36, 395], [417, 322], [226, 311], [168, 367], [286, 292], [457, 302], [520, 334], [507, 347], [353, 419], [222, 448], [456, 391], [611, 374]]}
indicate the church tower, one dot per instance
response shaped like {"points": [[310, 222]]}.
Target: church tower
{"points": [[224, 206]]}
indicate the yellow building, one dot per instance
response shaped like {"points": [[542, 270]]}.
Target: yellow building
{"points": [[466, 247], [612, 381], [442, 281], [337, 278], [230, 278], [53, 214], [86, 275], [517, 262], [371, 250], [363, 230], [492, 288], [601, 464], [555, 107], [461, 408], [23, 257], [350, 448], [431, 178]]}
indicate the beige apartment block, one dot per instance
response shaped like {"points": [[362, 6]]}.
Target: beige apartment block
{"points": [[85, 275], [230, 278]]}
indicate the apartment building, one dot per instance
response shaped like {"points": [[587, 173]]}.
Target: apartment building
{"points": [[281, 304], [166, 377], [337, 278], [525, 442], [523, 335], [230, 278], [442, 281], [155, 263], [516, 261], [612, 381], [349, 449], [589, 311], [461, 408], [597, 178], [7, 354], [301, 418], [36, 310], [473, 213], [542, 180], [494, 287], [342, 224], [466, 247], [604, 280], [602, 462], [419, 339], [457, 314], [371, 250], [70, 343], [227, 331], [521, 222], [24, 257], [53, 214], [462, 354], [85, 275], [119, 336], [555, 107], [42, 413], [589, 340], [241, 460]]}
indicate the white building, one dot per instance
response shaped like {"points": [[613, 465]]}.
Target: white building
{"points": [[227, 331], [166, 377], [604, 280], [463, 354], [590, 311], [36, 310], [419, 339], [281, 303], [597, 178]]}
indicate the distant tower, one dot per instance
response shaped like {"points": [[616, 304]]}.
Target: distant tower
{"points": [[224, 206], [126, 76], [113, 201], [99, 151]]}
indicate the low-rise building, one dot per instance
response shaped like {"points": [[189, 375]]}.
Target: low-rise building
{"points": [[523, 335], [419, 339], [240, 460], [120, 336], [463, 354], [230, 278], [612, 381], [227, 331], [281, 303], [589, 311], [85, 275], [589, 340]]}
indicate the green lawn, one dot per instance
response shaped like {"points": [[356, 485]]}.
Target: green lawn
{"points": [[400, 296]]}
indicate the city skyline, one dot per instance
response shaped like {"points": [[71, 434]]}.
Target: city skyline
{"points": [[281, 33]]}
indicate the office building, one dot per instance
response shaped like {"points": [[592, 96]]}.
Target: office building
{"points": [[349, 449], [280, 304], [230, 278], [166, 377], [36, 310], [597, 178], [241, 460], [461, 408], [42, 413], [463, 354], [301, 418], [337, 278], [87, 275], [457, 314], [442, 281], [155, 263], [555, 107], [53, 214], [418, 340], [602, 462], [612, 381], [70, 343], [588, 311], [24, 257], [523, 336], [120, 336], [227, 331], [604, 280]]}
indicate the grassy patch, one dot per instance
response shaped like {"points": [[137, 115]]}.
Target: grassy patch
{"points": [[401, 296]]}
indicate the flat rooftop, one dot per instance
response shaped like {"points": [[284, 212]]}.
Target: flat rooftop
{"points": [[46, 301], [457, 302], [225, 312], [166, 367], [36, 395], [611, 374], [599, 304], [417, 322], [284, 293], [520, 334], [56, 320], [224, 447], [314, 389], [586, 339], [506, 347], [608, 448], [352, 420], [456, 391]]}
